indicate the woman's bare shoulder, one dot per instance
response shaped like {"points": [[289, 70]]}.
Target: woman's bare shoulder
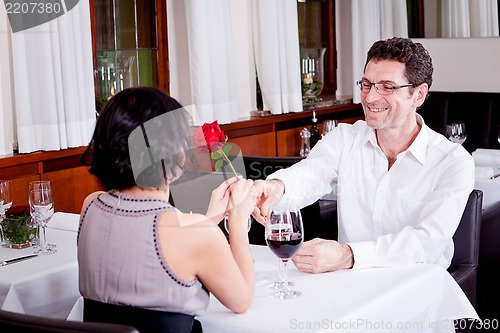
{"points": [[89, 198]]}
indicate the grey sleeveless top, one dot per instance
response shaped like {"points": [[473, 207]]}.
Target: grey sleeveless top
{"points": [[120, 261]]}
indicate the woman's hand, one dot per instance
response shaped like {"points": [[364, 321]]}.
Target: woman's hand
{"points": [[219, 200], [243, 198]]}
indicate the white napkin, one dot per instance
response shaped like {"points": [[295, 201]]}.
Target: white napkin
{"points": [[64, 221], [484, 172], [486, 157]]}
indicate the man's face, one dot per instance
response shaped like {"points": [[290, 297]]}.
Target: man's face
{"points": [[391, 111]]}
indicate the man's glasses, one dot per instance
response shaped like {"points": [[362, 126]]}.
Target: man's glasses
{"points": [[381, 88]]}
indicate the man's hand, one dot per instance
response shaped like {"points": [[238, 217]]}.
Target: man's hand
{"points": [[321, 255], [271, 192]]}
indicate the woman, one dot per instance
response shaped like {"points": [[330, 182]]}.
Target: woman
{"points": [[139, 258]]}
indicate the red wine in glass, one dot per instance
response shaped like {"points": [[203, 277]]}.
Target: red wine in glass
{"points": [[284, 236], [285, 245]]}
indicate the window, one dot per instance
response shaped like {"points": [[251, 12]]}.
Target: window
{"points": [[129, 45], [317, 29]]}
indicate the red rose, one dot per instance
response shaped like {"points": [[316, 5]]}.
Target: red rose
{"points": [[210, 135], [18, 210]]}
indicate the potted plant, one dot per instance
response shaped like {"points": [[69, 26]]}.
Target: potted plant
{"points": [[18, 228]]}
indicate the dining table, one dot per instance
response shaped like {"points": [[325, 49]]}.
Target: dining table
{"points": [[410, 298], [46, 285], [487, 163]]}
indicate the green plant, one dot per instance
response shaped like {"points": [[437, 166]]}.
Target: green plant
{"points": [[19, 228]]}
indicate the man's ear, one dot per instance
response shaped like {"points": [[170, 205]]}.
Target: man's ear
{"points": [[421, 91]]}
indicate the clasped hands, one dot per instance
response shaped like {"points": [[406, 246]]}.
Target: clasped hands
{"points": [[241, 197], [315, 256]]}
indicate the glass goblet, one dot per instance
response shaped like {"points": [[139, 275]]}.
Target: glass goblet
{"points": [[5, 204], [456, 132], [284, 237], [42, 209], [227, 227], [328, 125]]}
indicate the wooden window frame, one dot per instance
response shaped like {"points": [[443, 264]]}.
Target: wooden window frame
{"points": [[162, 45]]}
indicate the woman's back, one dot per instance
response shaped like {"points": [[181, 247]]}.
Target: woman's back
{"points": [[120, 261]]}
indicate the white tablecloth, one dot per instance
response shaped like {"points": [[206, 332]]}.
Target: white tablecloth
{"points": [[46, 285], [416, 298], [487, 163], [412, 298]]}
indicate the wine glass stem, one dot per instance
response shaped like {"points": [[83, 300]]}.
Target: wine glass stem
{"points": [[280, 271], [2, 216], [43, 240], [284, 287]]}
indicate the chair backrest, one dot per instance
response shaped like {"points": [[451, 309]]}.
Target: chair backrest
{"points": [[146, 320], [16, 322], [466, 238]]}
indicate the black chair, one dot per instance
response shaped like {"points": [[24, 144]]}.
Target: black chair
{"points": [[320, 218], [464, 265], [488, 288], [147, 321], [16, 322]]}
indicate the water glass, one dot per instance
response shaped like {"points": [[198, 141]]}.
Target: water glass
{"points": [[42, 209], [456, 132]]}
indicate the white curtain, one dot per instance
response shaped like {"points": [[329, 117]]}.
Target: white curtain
{"points": [[211, 63], [215, 47], [52, 82], [455, 18], [462, 18], [372, 21], [6, 97], [277, 54], [484, 18]]}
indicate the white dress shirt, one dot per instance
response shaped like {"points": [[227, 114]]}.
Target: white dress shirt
{"points": [[407, 214]]}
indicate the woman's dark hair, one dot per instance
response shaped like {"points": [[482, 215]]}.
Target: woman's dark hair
{"points": [[161, 146], [418, 62]]}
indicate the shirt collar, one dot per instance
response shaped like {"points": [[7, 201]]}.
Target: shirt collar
{"points": [[419, 146]]}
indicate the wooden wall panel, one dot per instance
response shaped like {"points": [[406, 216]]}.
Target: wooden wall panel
{"points": [[19, 187], [70, 187], [288, 141], [259, 144]]}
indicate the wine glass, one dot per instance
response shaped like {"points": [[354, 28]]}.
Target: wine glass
{"points": [[456, 132], [227, 228], [328, 125], [498, 133], [42, 209], [5, 204], [284, 237]]}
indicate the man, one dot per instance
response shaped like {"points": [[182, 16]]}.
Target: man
{"points": [[401, 187]]}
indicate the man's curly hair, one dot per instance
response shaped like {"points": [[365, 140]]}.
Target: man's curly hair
{"points": [[418, 62]]}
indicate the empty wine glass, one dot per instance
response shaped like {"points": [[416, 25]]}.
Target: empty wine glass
{"points": [[328, 125], [42, 209], [227, 228], [456, 132], [284, 237], [5, 204]]}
